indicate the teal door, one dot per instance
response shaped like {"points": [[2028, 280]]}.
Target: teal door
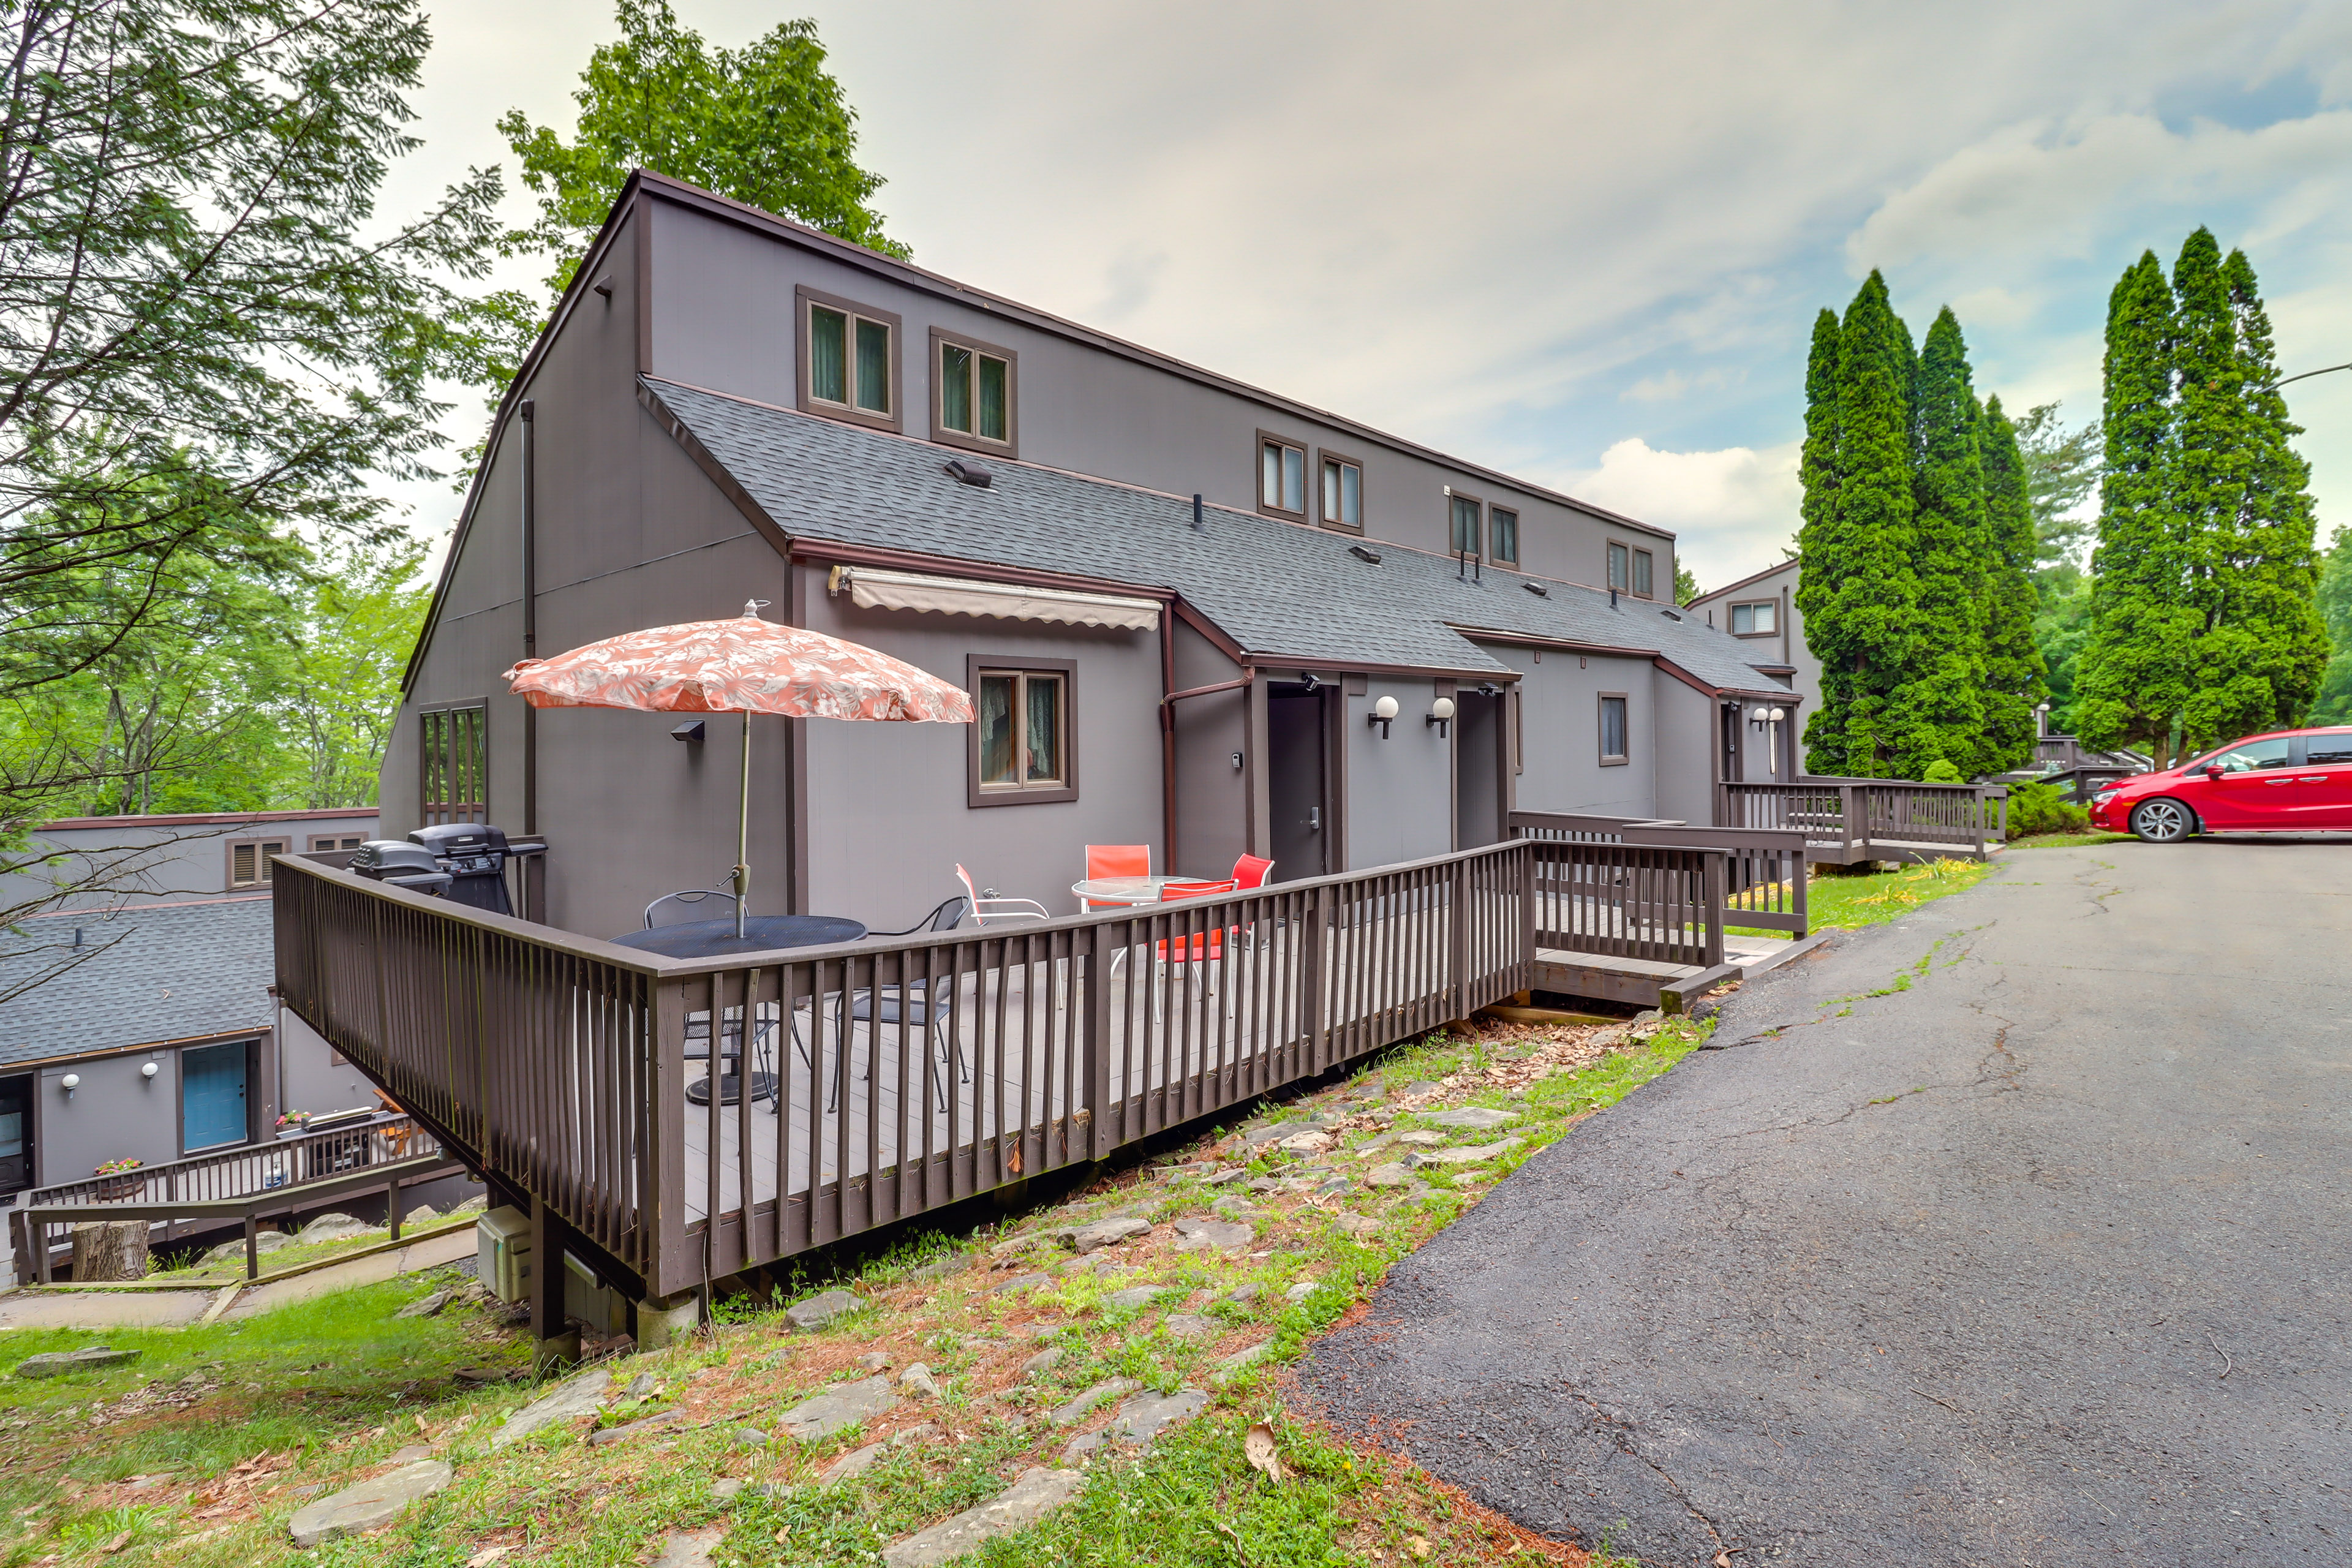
{"points": [[211, 1096]]}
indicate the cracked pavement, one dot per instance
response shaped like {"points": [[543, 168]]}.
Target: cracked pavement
{"points": [[2039, 1261]]}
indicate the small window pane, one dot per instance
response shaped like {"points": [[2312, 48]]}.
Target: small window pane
{"points": [[1612, 726], [1641, 573], [1503, 534], [1330, 491], [1269, 486], [1351, 495], [1618, 577], [1464, 540], [955, 387], [1294, 479], [996, 407], [828, 349], [241, 866], [873, 366], [996, 765], [1743, 619], [1045, 732], [1764, 616], [2327, 750]]}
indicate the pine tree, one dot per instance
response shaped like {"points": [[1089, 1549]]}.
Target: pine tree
{"points": [[1859, 594], [1941, 706], [2016, 680], [2135, 674]]}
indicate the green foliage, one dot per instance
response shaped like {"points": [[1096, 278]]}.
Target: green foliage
{"points": [[2015, 672], [2041, 809], [2061, 626], [1941, 770], [2062, 468], [2334, 703], [1941, 704], [1685, 584]]}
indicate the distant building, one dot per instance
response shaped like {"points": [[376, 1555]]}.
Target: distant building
{"points": [[1761, 611]]}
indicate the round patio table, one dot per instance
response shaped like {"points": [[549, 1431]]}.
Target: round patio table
{"points": [[1128, 889], [717, 939]]}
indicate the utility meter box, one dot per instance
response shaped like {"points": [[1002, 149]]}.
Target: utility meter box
{"points": [[502, 1256]]}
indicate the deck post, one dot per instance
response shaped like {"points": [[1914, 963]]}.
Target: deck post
{"points": [[1458, 943], [1527, 853], [1314, 1016], [252, 1247], [552, 1341], [662, 1149], [1846, 800], [1094, 1040]]}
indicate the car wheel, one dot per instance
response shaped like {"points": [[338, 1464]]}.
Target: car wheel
{"points": [[2162, 821]]}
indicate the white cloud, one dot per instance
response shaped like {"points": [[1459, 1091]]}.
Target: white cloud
{"points": [[1731, 509]]}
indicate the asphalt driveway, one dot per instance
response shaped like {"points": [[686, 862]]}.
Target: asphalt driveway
{"points": [[2038, 1255]]}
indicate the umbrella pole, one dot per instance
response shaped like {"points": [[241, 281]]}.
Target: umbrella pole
{"points": [[743, 832]]}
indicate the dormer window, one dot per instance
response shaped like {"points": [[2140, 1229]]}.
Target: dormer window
{"points": [[849, 361], [1503, 535], [973, 394], [1281, 477], [1343, 493], [1630, 570]]}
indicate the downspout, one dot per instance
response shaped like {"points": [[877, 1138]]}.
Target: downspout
{"points": [[1168, 722], [533, 893]]}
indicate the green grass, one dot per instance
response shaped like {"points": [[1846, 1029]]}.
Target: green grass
{"points": [[1852, 902], [2065, 840], [285, 1257]]}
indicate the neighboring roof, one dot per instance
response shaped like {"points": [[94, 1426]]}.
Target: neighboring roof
{"points": [[76, 823], [1772, 571], [1284, 591], [174, 972]]}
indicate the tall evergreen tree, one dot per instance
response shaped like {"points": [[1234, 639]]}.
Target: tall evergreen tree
{"points": [[2135, 675], [2016, 680], [1941, 705], [1859, 594]]}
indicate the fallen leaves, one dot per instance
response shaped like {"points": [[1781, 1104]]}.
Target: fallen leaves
{"points": [[1264, 1456], [487, 1555]]}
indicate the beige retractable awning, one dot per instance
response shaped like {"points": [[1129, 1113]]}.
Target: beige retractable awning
{"points": [[875, 588]]}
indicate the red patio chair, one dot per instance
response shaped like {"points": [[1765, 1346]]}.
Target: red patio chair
{"points": [[1115, 860], [1201, 948], [1249, 871]]}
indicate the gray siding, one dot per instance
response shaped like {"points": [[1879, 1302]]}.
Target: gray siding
{"points": [[308, 1077], [1211, 795], [1399, 790], [1560, 732], [1787, 647], [147, 862], [1685, 729]]}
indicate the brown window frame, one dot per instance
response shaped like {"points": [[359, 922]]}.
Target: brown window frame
{"points": [[262, 849], [1478, 549], [945, 436], [1324, 456], [328, 842], [1617, 547], [1601, 729], [1496, 556], [978, 796], [1309, 483], [432, 812], [803, 300], [1642, 558], [1771, 604]]}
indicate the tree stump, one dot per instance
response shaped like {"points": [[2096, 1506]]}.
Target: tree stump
{"points": [[110, 1249]]}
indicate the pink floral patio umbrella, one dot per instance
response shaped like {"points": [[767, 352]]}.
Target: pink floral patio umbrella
{"points": [[744, 666]]}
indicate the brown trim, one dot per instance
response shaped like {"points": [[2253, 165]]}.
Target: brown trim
{"points": [[808, 548], [1321, 456], [1168, 734], [108, 1052], [1337, 851], [713, 469], [227, 820], [1634, 572], [326, 844], [180, 1094], [1406, 672], [975, 798], [803, 298], [1515, 515], [1211, 633], [1537, 640], [1601, 729], [1008, 448], [1772, 604], [459, 705], [1608, 581], [1307, 482], [796, 756], [1452, 496], [641, 207]]}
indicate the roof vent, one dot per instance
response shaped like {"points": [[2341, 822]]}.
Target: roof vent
{"points": [[1537, 589], [965, 472], [1670, 615], [1369, 557]]}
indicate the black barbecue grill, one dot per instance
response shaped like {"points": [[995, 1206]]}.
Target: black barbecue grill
{"points": [[465, 862], [410, 866]]}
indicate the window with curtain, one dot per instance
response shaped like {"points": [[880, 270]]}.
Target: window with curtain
{"points": [[455, 766], [1620, 568], [975, 390], [1281, 477], [1022, 739], [1642, 574], [1463, 535], [1503, 535], [1343, 494], [851, 361], [1612, 727]]}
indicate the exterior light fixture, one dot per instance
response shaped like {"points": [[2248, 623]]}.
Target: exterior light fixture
{"points": [[1383, 712], [1308, 681], [690, 733], [70, 1082], [1488, 688], [1441, 713], [148, 1070]]}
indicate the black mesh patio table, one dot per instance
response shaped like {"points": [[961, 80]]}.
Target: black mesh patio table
{"points": [[717, 939]]}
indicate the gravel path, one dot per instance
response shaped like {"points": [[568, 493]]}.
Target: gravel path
{"points": [[2040, 1260]]}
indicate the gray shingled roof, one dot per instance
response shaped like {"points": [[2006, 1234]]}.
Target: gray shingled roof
{"points": [[1279, 590], [179, 971]]}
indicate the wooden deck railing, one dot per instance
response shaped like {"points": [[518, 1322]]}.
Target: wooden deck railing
{"points": [[1764, 868], [912, 1072], [1846, 820]]}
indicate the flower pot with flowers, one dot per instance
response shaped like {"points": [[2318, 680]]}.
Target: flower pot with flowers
{"points": [[117, 1180], [293, 1122]]}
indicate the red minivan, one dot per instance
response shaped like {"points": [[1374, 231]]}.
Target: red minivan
{"points": [[2290, 781]]}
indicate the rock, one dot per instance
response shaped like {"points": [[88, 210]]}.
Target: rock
{"points": [[640, 1386], [609, 1434], [1336, 1184], [1240, 1362], [1388, 1175], [1192, 1326], [751, 1437], [850, 1466], [1044, 1362], [478, 1204], [1037, 1493], [1309, 1143], [333, 1227], [1139, 1421], [426, 1306], [1045, 1331], [1135, 1297], [1231, 1173], [922, 1433], [874, 1361], [940, 1268], [917, 1379], [408, 1453], [1421, 1138], [370, 1503], [1476, 1118], [60, 1363], [1079, 1409], [1246, 1292], [423, 1214], [1264, 1185], [843, 1406], [264, 1244], [1024, 1282], [1233, 1209], [571, 1401], [1300, 1291], [821, 1310], [1357, 1224], [1269, 1131], [1371, 1150], [1420, 1086], [1101, 1232], [726, 1489], [1212, 1236], [689, 1548], [1469, 1153]]}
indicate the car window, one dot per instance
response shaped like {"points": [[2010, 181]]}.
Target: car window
{"points": [[2248, 756], [2321, 749]]}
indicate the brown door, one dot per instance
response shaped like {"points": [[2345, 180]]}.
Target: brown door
{"points": [[16, 1135]]}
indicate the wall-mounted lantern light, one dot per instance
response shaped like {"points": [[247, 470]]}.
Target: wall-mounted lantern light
{"points": [[1382, 713], [70, 1082], [149, 1071], [1441, 713], [1761, 716]]}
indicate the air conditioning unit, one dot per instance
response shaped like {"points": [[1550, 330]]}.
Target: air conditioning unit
{"points": [[502, 1256]]}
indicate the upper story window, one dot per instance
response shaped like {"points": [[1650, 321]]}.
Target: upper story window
{"points": [[973, 394], [1503, 535], [1614, 747], [1760, 619], [1343, 493], [1620, 568], [1642, 574], [248, 861], [849, 361], [1462, 532], [1281, 477], [1023, 751], [455, 766]]}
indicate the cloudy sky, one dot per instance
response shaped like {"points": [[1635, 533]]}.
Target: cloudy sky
{"points": [[1581, 242]]}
